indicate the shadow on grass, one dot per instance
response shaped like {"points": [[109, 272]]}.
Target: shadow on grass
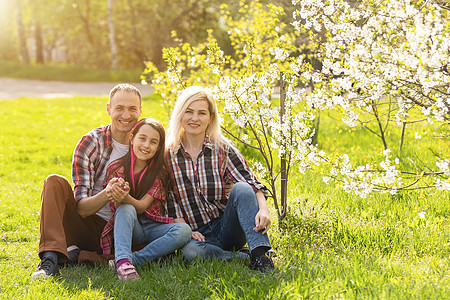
{"points": [[176, 279]]}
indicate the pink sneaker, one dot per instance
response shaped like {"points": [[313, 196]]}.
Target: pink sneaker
{"points": [[127, 272]]}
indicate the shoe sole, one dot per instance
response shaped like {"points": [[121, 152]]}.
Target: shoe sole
{"points": [[42, 275]]}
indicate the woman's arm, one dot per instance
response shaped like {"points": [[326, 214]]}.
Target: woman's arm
{"points": [[238, 169], [262, 218]]}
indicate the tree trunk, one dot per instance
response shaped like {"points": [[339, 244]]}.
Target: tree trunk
{"points": [[138, 49], [112, 38], [39, 43], [86, 21], [283, 170], [157, 55], [22, 36]]}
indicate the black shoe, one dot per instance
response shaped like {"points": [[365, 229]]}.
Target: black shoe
{"points": [[73, 252], [262, 263], [46, 269], [244, 250]]}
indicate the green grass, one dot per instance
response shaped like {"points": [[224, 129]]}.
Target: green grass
{"points": [[63, 72], [334, 245]]}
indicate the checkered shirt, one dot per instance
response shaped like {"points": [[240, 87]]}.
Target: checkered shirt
{"points": [[156, 211], [90, 157], [198, 193]]}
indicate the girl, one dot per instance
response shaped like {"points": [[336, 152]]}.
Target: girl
{"points": [[138, 204]]}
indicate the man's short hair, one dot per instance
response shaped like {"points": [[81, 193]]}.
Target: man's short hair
{"points": [[126, 88]]}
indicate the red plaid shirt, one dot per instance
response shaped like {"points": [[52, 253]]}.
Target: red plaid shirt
{"points": [[90, 157], [156, 211], [199, 189]]}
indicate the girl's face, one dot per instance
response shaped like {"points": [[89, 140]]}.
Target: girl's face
{"points": [[145, 143], [196, 118]]}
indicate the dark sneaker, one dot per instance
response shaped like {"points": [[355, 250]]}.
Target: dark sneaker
{"points": [[262, 263], [46, 269], [73, 252]]}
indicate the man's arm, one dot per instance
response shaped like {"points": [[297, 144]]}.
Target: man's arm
{"points": [[86, 161], [90, 205]]}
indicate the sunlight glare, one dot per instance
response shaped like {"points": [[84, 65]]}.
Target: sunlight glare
{"points": [[6, 9]]}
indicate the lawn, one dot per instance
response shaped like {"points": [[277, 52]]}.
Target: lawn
{"points": [[335, 245], [64, 72]]}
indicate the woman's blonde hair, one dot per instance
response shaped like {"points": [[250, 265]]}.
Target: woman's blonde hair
{"points": [[187, 96]]}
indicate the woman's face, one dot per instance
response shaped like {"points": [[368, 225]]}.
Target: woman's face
{"points": [[196, 118], [145, 143]]}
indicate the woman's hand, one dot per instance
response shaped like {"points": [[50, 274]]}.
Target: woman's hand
{"points": [[198, 236], [262, 221]]}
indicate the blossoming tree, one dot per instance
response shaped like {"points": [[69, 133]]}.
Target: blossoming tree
{"points": [[383, 62], [243, 86], [383, 66]]}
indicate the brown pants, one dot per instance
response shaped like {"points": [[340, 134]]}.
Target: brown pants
{"points": [[61, 225]]}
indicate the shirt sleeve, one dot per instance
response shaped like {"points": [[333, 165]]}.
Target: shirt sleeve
{"points": [[238, 170], [157, 190], [83, 169]]}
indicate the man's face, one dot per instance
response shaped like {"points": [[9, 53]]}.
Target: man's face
{"points": [[125, 109]]}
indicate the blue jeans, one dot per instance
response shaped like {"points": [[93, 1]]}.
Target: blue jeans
{"points": [[161, 238], [232, 230]]}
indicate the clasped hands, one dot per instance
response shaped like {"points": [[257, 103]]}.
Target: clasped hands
{"points": [[117, 190]]}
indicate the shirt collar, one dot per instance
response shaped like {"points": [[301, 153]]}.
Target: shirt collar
{"points": [[108, 137], [206, 143]]}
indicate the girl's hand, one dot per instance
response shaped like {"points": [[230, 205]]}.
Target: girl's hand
{"points": [[117, 190], [198, 236], [120, 191]]}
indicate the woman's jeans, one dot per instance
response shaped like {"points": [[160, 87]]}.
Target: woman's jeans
{"points": [[232, 230], [160, 238]]}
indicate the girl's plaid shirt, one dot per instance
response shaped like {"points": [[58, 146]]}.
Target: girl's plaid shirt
{"points": [[156, 211]]}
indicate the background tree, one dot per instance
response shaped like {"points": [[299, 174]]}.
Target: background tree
{"points": [[21, 33], [373, 69], [243, 85], [384, 66], [112, 36], [78, 30]]}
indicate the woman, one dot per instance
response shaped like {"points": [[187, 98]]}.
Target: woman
{"points": [[201, 163], [138, 206]]}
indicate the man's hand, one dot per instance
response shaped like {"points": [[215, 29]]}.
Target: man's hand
{"points": [[262, 221], [117, 190]]}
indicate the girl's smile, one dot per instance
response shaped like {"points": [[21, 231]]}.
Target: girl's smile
{"points": [[145, 144]]}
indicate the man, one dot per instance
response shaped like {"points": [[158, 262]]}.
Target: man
{"points": [[77, 217]]}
